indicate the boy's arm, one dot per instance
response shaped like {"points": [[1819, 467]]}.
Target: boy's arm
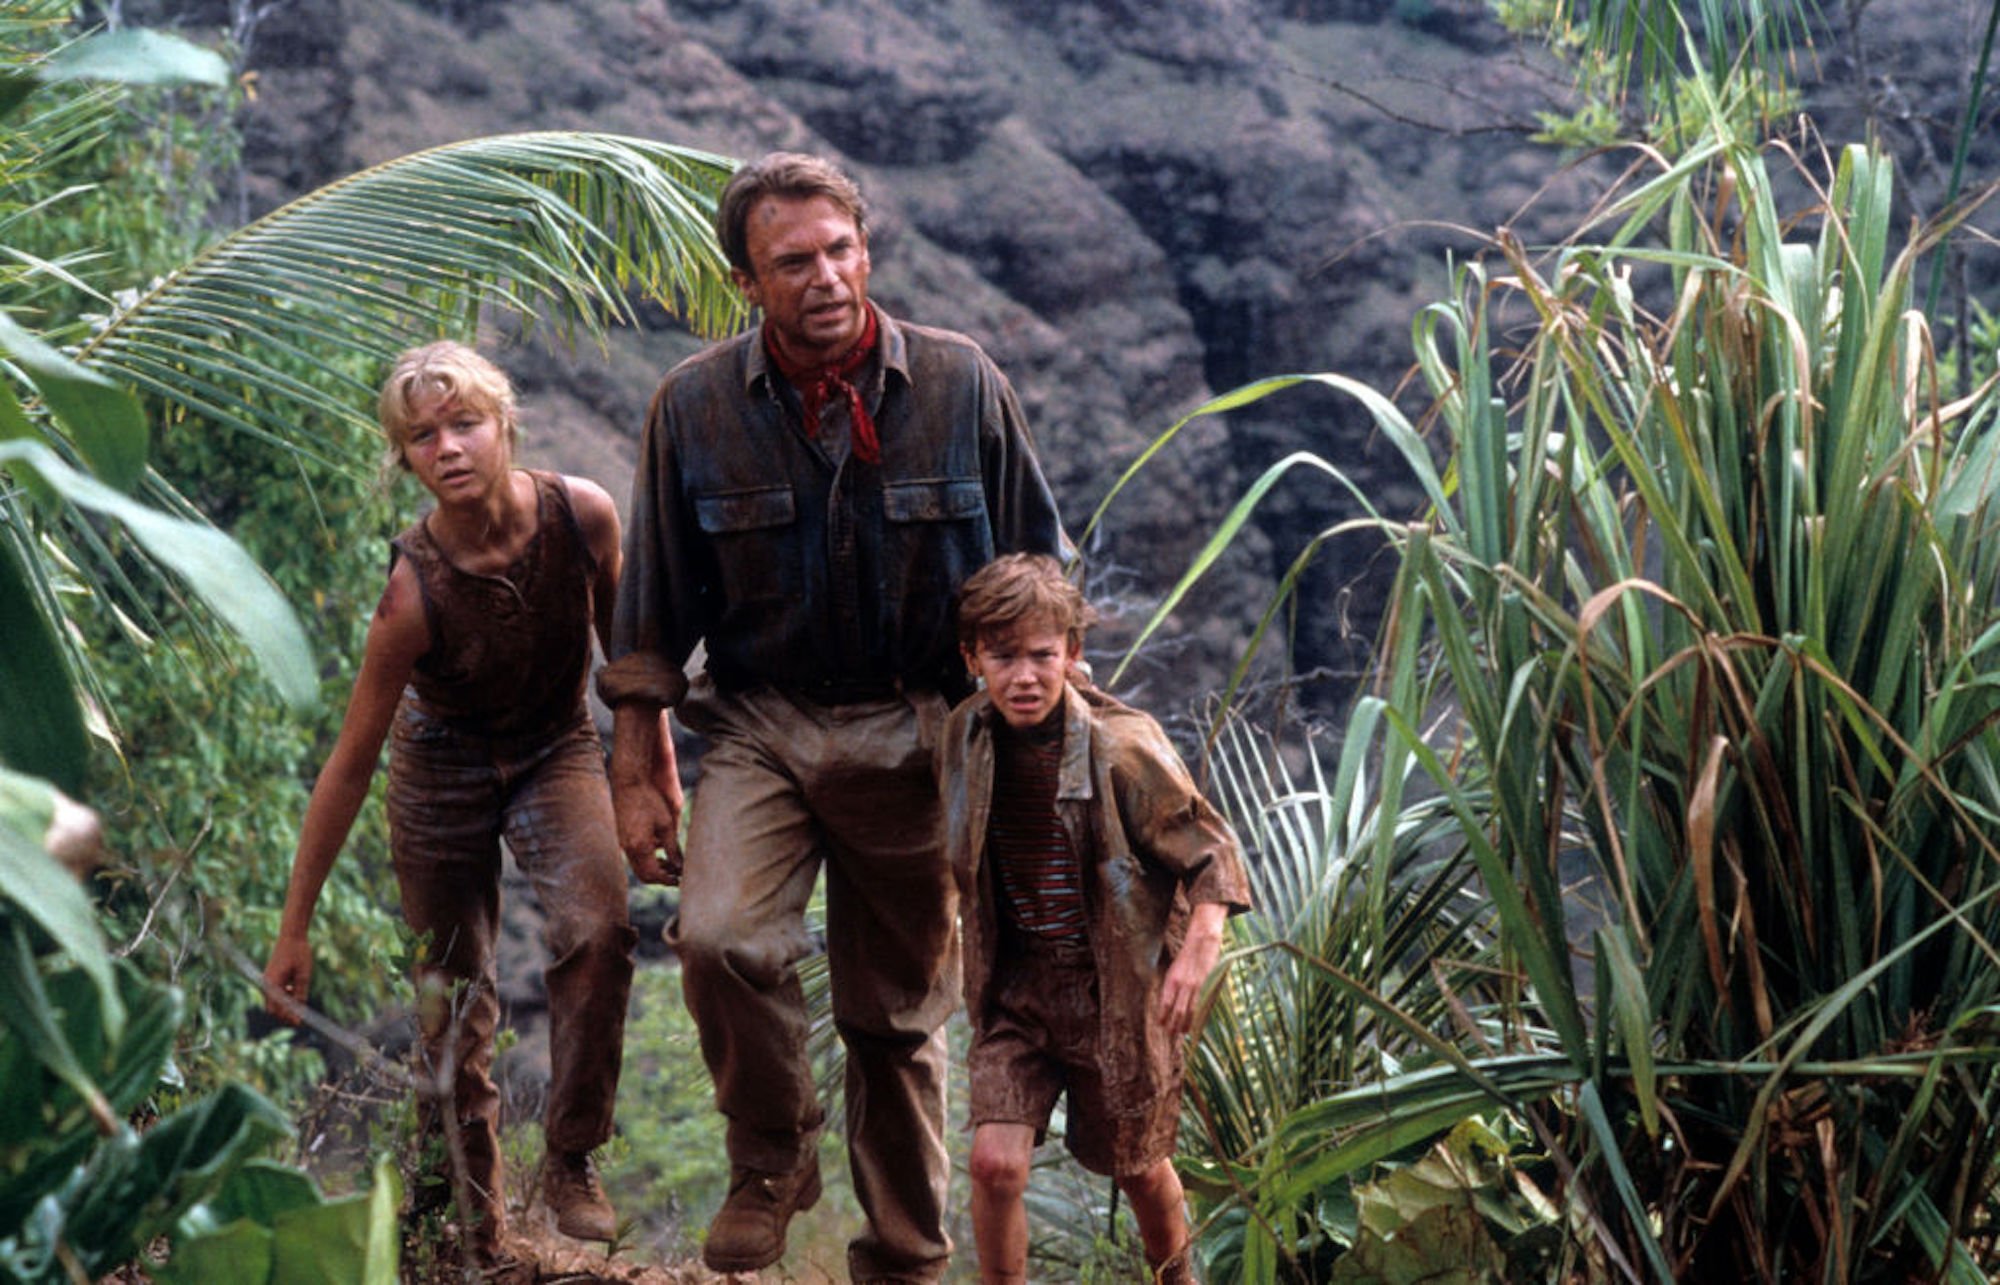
{"points": [[1181, 989], [1168, 821], [397, 636]]}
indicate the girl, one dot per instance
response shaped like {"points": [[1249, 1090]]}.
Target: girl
{"points": [[476, 661]]}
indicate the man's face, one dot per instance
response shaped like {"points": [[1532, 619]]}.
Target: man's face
{"points": [[1025, 667], [809, 273]]}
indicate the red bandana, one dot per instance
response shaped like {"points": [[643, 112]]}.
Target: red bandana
{"points": [[816, 384]]}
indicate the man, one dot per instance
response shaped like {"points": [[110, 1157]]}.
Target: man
{"points": [[808, 498]]}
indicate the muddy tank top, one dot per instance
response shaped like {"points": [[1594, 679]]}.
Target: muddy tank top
{"points": [[509, 652]]}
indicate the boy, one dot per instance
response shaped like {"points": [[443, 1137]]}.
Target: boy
{"points": [[1095, 881]]}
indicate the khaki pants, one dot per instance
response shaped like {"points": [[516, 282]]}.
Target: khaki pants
{"points": [[786, 787], [452, 798]]}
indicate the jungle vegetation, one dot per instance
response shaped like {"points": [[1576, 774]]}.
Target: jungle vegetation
{"points": [[1639, 923]]}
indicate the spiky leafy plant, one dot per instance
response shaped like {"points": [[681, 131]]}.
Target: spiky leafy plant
{"points": [[1696, 646]]}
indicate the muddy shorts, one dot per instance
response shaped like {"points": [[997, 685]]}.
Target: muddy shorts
{"points": [[1040, 1041]]}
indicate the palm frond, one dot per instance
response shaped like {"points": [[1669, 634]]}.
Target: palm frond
{"points": [[571, 226], [279, 331]]}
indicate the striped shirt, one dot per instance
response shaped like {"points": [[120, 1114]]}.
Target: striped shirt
{"points": [[1036, 871]]}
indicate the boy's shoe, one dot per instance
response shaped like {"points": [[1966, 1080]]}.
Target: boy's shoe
{"points": [[571, 1190], [749, 1230]]}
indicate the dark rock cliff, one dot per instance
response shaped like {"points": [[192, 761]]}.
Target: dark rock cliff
{"points": [[1132, 205]]}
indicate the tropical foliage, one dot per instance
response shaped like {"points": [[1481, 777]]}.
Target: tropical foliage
{"points": [[275, 332], [1694, 651], [85, 1037]]}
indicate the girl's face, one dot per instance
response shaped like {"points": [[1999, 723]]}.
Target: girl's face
{"points": [[457, 451]]}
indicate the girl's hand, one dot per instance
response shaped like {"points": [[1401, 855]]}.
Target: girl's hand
{"points": [[287, 979]]}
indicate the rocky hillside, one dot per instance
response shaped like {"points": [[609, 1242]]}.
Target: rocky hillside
{"points": [[1131, 204]]}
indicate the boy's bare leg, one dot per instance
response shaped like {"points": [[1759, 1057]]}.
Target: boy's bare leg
{"points": [[1158, 1207], [1000, 1157]]}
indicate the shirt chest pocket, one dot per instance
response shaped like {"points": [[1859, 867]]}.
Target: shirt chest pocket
{"points": [[755, 535], [933, 500], [937, 530]]}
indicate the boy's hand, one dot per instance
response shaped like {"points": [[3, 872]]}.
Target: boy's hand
{"points": [[287, 978], [1181, 989]]}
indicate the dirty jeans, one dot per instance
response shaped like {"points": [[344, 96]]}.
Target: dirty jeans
{"points": [[452, 798], [786, 787]]}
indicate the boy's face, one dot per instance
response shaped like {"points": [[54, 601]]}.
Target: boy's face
{"points": [[1025, 666]]}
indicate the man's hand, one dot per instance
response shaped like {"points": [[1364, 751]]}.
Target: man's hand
{"points": [[287, 978], [649, 830], [1181, 989], [646, 793]]}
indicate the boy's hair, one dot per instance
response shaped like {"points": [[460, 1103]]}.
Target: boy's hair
{"points": [[1018, 587], [793, 175], [448, 370]]}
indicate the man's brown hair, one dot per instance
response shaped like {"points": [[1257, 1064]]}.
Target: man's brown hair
{"points": [[1016, 588], [794, 175]]}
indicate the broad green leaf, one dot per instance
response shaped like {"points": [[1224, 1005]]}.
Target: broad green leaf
{"points": [[213, 565], [1442, 1245], [17, 427], [142, 1057], [135, 56], [343, 1242], [134, 1190], [41, 720], [34, 884], [263, 1189], [103, 419], [241, 1253], [26, 1014]]}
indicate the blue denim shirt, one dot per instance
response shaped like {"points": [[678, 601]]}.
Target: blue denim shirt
{"points": [[813, 570]]}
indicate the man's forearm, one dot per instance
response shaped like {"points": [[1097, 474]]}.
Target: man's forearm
{"points": [[635, 743]]}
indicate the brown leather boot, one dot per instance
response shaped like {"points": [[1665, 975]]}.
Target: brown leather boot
{"points": [[571, 1190], [749, 1230]]}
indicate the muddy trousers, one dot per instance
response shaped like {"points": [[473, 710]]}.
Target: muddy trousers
{"points": [[787, 787], [452, 799]]}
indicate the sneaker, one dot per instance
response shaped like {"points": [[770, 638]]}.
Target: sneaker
{"points": [[749, 1230], [572, 1192]]}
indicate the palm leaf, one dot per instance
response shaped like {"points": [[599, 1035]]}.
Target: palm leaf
{"points": [[279, 330], [565, 225]]}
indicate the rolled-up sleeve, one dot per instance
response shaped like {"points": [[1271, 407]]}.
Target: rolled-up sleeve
{"points": [[1173, 826], [664, 599], [1018, 498]]}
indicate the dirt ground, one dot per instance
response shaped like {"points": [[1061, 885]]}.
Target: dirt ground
{"points": [[562, 1261]]}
